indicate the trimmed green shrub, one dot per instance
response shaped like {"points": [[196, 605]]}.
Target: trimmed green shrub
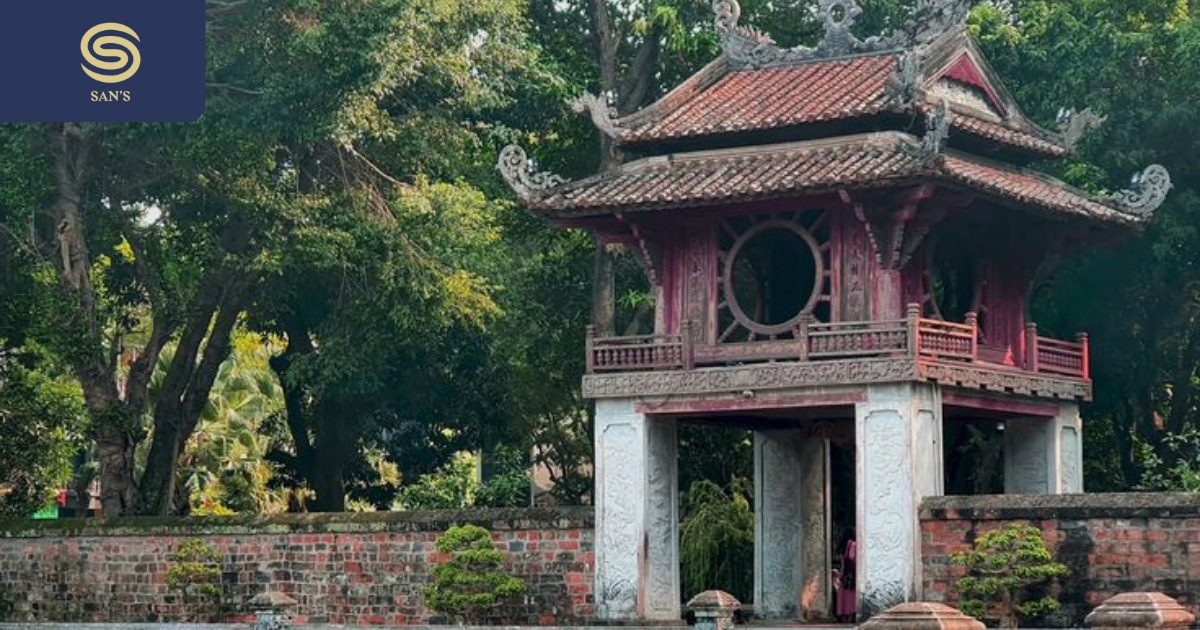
{"points": [[473, 581], [194, 570], [1002, 570]]}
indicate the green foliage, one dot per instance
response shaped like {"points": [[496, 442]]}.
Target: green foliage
{"points": [[473, 581], [1181, 476], [194, 571], [716, 539], [41, 424], [456, 484], [223, 468], [452, 487], [507, 480], [1002, 569]]}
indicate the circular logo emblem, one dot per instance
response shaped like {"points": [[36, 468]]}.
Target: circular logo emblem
{"points": [[114, 58]]}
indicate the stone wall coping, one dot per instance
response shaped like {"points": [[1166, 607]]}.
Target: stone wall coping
{"points": [[1061, 506], [503, 519], [29, 625]]}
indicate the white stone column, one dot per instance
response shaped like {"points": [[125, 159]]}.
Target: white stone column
{"points": [[1044, 455], [777, 523], [1070, 431], [898, 433], [814, 537], [637, 557]]}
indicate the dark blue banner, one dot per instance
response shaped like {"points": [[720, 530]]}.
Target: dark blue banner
{"points": [[101, 60]]}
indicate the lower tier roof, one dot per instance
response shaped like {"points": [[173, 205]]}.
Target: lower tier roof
{"points": [[877, 160]]}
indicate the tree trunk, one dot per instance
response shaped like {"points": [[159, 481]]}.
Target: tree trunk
{"points": [[114, 424], [114, 451], [604, 292], [186, 389]]}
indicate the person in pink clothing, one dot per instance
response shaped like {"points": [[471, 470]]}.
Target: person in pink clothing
{"points": [[847, 594]]}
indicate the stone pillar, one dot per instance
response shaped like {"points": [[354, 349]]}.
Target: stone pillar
{"points": [[1070, 448], [814, 536], [637, 555], [898, 432], [1044, 455], [777, 523]]}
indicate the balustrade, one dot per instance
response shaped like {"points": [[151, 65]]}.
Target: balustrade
{"points": [[920, 338]]}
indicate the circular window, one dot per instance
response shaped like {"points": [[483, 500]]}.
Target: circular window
{"points": [[773, 277]]}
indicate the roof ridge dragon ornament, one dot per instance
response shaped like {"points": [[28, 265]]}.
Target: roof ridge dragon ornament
{"points": [[750, 47], [1148, 191], [522, 175], [600, 109], [1074, 125], [937, 132]]}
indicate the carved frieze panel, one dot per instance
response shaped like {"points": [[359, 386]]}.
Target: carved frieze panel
{"points": [[750, 378], [1010, 381]]}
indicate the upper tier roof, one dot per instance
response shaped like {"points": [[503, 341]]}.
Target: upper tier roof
{"points": [[755, 86], [763, 121]]}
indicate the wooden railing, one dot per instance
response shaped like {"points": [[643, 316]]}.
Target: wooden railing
{"points": [[845, 340], [647, 352], [948, 340], [914, 336], [1052, 356]]}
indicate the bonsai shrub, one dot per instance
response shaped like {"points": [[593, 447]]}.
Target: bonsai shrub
{"points": [[1002, 569], [194, 570], [473, 581]]}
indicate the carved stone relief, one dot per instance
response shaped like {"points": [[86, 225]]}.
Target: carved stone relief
{"points": [[619, 475], [777, 523], [749, 378], [1072, 477], [1148, 191], [750, 47], [886, 512], [662, 575], [1027, 468], [814, 507], [1005, 381], [522, 175]]}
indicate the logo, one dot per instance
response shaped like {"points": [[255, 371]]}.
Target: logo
{"points": [[124, 57]]}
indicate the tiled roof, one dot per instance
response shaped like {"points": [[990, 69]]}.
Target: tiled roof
{"points": [[775, 97], [1000, 132], [774, 171], [786, 96]]}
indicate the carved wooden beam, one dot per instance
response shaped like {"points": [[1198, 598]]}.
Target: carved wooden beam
{"points": [[650, 252]]}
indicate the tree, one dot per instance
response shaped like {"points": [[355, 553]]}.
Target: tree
{"points": [[716, 539], [41, 422], [473, 581], [1136, 64], [1001, 568]]}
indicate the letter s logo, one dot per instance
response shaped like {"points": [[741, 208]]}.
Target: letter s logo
{"points": [[122, 49]]}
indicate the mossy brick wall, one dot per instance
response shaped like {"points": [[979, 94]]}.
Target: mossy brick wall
{"points": [[354, 569], [1112, 543]]}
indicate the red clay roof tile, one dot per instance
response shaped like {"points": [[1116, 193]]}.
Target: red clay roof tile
{"points": [[774, 171]]}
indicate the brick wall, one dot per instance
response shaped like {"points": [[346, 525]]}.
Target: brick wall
{"points": [[354, 569], [1112, 543]]}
